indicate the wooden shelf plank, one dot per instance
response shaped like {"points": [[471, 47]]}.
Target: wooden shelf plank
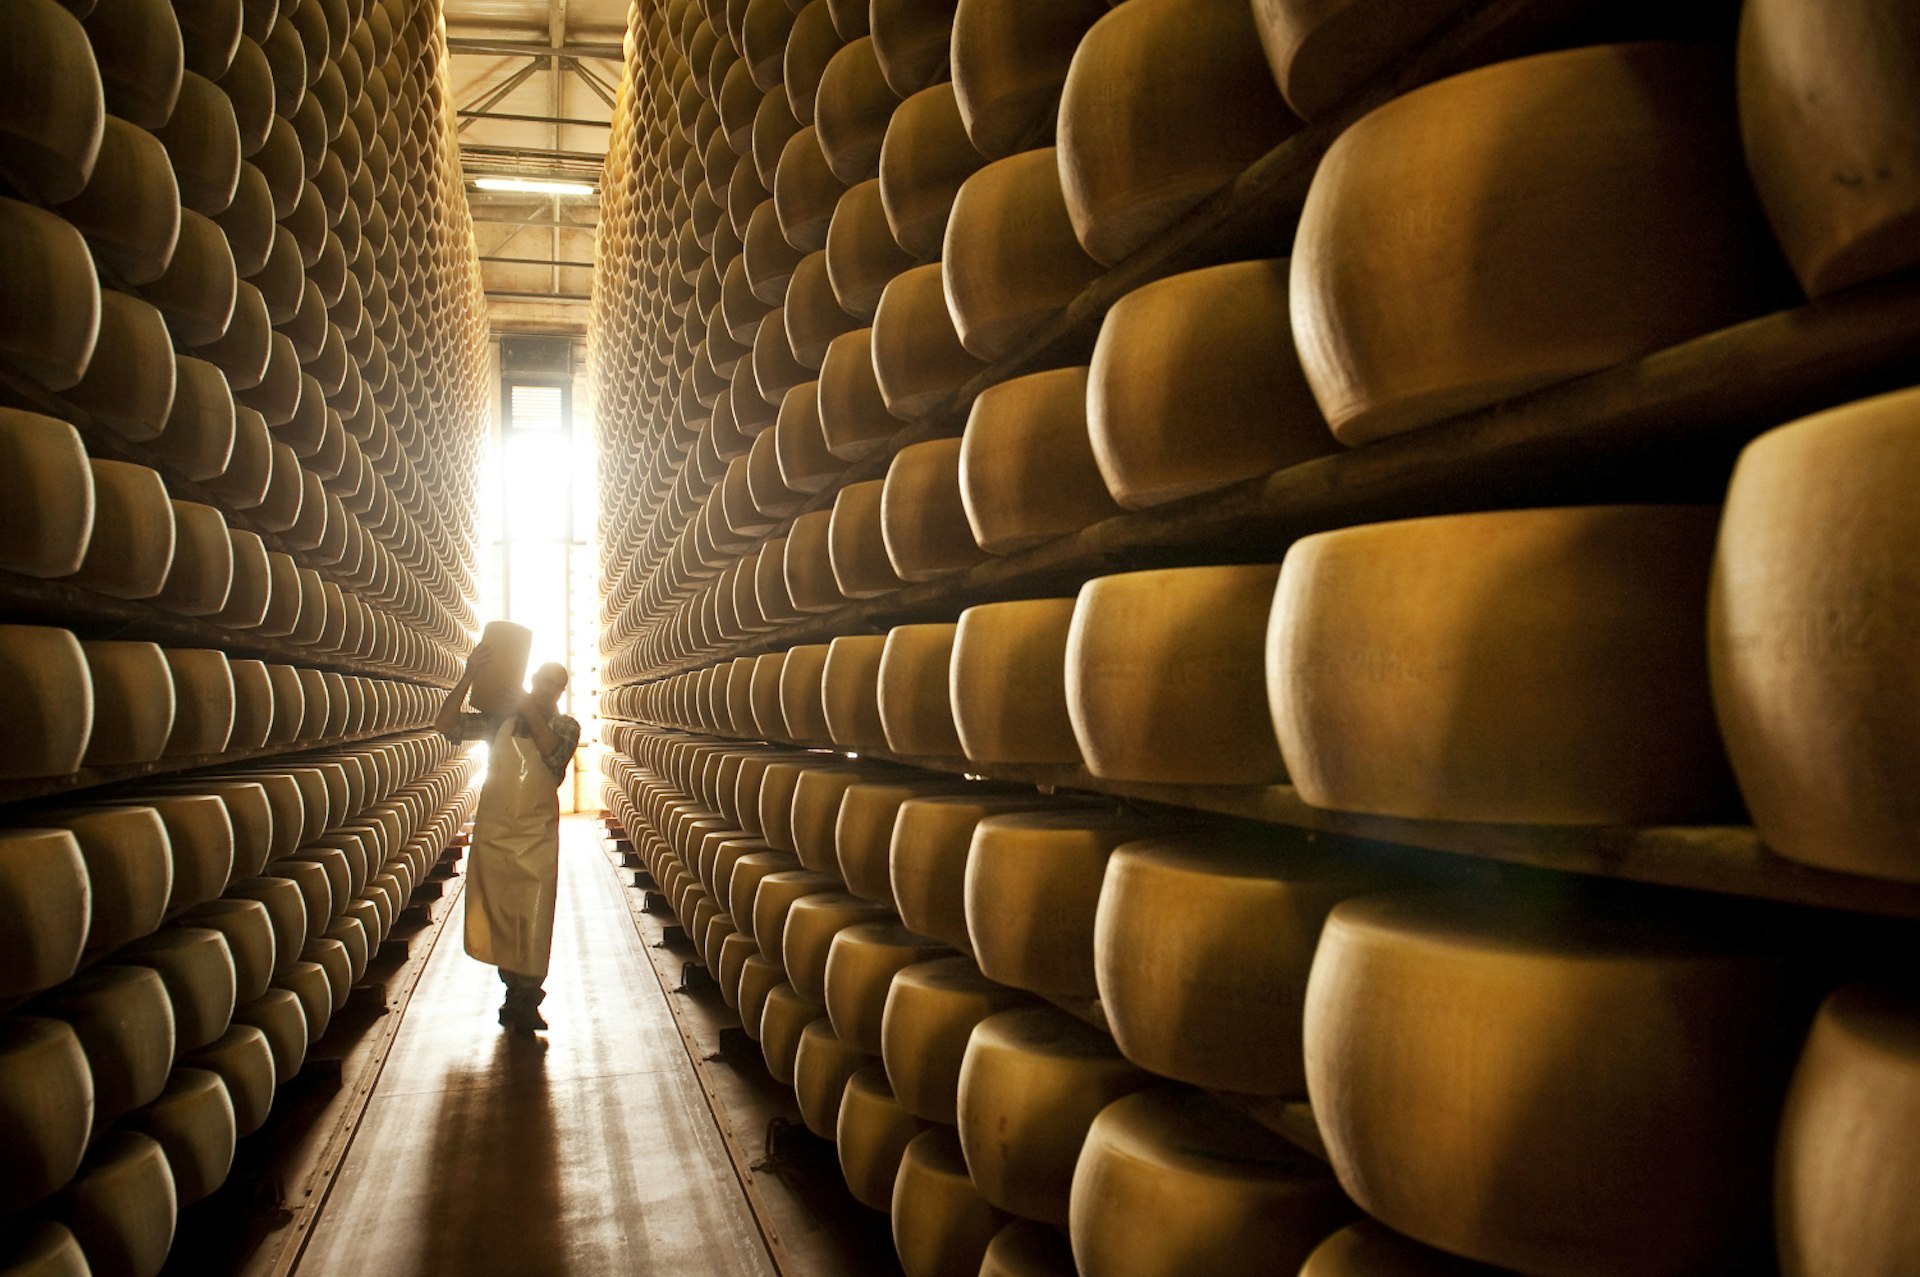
{"points": [[1664, 428], [1722, 859]]}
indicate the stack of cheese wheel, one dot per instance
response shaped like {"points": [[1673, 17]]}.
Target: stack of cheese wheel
{"points": [[1008, 682], [1027, 473], [1627, 1072], [1811, 638]]}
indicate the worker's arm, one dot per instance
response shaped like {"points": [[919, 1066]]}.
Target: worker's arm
{"points": [[448, 721], [555, 746]]}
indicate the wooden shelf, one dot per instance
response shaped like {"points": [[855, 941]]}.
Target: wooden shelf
{"points": [[1722, 859], [52, 787], [1664, 428], [25, 599]]}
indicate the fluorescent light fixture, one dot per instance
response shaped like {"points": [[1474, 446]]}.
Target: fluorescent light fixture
{"points": [[532, 186]]}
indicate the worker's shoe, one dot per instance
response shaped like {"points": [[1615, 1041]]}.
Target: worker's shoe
{"points": [[521, 1011]]}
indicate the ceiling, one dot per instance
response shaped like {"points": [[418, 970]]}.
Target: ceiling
{"points": [[534, 82]]}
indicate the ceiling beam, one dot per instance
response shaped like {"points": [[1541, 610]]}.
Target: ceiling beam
{"points": [[568, 121], [536, 261], [539, 297], [546, 222], [535, 49]]}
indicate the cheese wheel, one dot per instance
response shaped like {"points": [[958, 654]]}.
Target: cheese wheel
{"points": [[863, 828], [244, 1061], [1163, 680], [735, 948], [1201, 949], [801, 709], [799, 447], [774, 896], [353, 937], [1033, 883], [46, 496], [1172, 1181], [1193, 386], [130, 383], [252, 704], [928, 857], [251, 587], [200, 840], [784, 1016], [129, 865], [1031, 1083], [46, 1108], [942, 1226], [278, 1014], [805, 192], [1843, 1141], [1164, 103], [851, 111], [854, 419], [761, 33], [1321, 51], [817, 799], [768, 259], [124, 1021], [51, 317], [1365, 1249], [132, 702], [930, 1012], [850, 691], [131, 550], [40, 1248], [202, 137], [1010, 61], [250, 941], [197, 968], [139, 50], [806, 939], [196, 294], [193, 1122], [1652, 1052], [203, 702], [289, 701], [201, 575], [1027, 474], [54, 112], [1810, 637], [923, 160], [809, 565], [1838, 182], [821, 1067], [861, 964], [499, 689], [922, 517], [1570, 691], [121, 1207], [861, 253], [910, 37], [916, 711], [286, 913], [50, 701], [1012, 264], [813, 42], [316, 889], [759, 977], [918, 360], [872, 1132], [129, 211], [777, 784], [856, 544], [1008, 682], [1610, 147]]}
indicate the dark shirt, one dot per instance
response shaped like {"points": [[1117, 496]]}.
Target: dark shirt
{"points": [[472, 726]]}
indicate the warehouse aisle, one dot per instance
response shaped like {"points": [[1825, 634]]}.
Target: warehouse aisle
{"points": [[591, 1151]]}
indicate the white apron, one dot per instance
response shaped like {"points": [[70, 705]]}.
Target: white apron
{"points": [[514, 871]]}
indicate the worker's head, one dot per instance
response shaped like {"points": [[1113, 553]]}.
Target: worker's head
{"points": [[549, 681]]}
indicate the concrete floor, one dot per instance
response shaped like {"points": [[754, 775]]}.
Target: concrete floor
{"points": [[590, 1150]]}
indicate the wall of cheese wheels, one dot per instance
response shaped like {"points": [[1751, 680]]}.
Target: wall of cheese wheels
{"points": [[242, 397], [1280, 636]]}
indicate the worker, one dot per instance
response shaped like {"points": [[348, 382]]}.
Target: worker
{"points": [[513, 873]]}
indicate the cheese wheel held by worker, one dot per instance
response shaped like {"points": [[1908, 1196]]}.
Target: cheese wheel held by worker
{"points": [[1031, 1083], [1008, 682], [1194, 386], [203, 702], [923, 161], [121, 1206], [1610, 147], [942, 1225], [856, 545], [861, 964], [918, 360], [1164, 103], [1827, 105], [1571, 690], [1172, 1181], [916, 711], [861, 253], [1027, 474], [1011, 262], [1321, 51], [872, 1132], [1811, 638], [50, 701], [850, 691], [922, 517], [1202, 944], [821, 1066], [46, 496], [129, 870], [193, 1121], [45, 908], [130, 552], [1652, 1048], [1843, 1141], [1164, 676], [133, 703], [46, 1105], [499, 690], [930, 1012]]}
